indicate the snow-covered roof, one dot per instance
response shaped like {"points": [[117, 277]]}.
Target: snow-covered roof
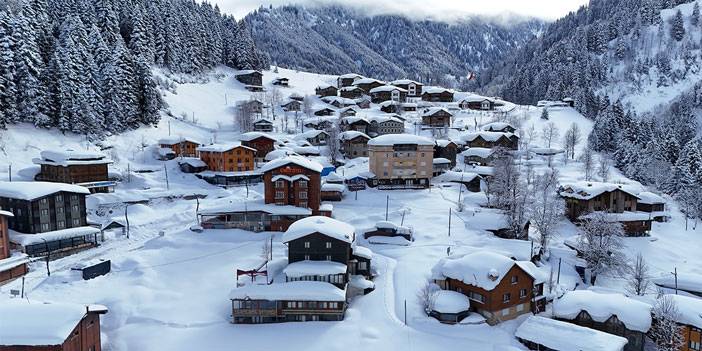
{"points": [[246, 71], [290, 178], [488, 136], [360, 282], [295, 291], [635, 315], [647, 197], [255, 135], [362, 251], [34, 190], [312, 133], [350, 76], [444, 142], [453, 176], [222, 147], [351, 88], [307, 268], [433, 110], [448, 301], [383, 119], [436, 90], [483, 269], [70, 157], [584, 190], [539, 275], [29, 323], [192, 161], [293, 159], [319, 224], [397, 228], [476, 98], [394, 139], [13, 261], [306, 150], [546, 151], [340, 188], [403, 82], [367, 81], [6, 213], [496, 126], [334, 177], [440, 161], [563, 336], [352, 134], [689, 309], [389, 103], [263, 121], [386, 88], [30, 239], [236, 205], [280, 153], [481, 152]]}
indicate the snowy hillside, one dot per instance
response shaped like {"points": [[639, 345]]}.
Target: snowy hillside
{"points": [[169, 286]]}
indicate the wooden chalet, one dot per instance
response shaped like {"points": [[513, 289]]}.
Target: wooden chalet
{"points": [[332, 192], [231, 157], [611, 313], [192, 165], [354, 144], [326, 90], [263, 125], [446, 149], [391, 106], [434, 94], [180, 146], [390, 230], [498, 287], [437, 117], [37, 326], [388, 93], [408, 107], [85, 168], [315, 137], [292, 106], [296, 97], [252, 79], [367, 84], [281, 81], [472, 181], [654, 204], [501, 127], [382, 125], [414, 89], [12, 265], [440, 165], [48, 218], [347, 80], [449, 307], [476, 102], [491, 140], [351, 92], [261, 142], [253, 106], [324, 111], [352, 123], [689, 320], [479, 156], [363, 103], [545, 334], [617, 201]]}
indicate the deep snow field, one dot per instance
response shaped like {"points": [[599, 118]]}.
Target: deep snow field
{"points": [[169, 286]]}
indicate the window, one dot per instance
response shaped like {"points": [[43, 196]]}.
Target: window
{"points": [[59, 198], [303, 203], [505, 312], [44, 212], [279, 184], [329, 258], [506, 297], [303, 184], [307, 257], [694, 345], [303, 195], [515, 279], [307, 244], [522, 293], [60, 224], [328, 245], [279, 194], [44, 201], [76, 222], [44, 227], [75, 208]]}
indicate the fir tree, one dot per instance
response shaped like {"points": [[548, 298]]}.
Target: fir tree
{"points": [[677, 26], [8, 91]]}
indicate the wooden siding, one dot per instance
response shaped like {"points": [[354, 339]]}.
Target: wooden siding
{"points": [[340, 251], [291, 192], [235, 160], [60, 210]]}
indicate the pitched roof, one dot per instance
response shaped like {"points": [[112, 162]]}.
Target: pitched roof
{"points": [[35, 190], [433, 110], [393, 139], [488, 136], [690, 310], [319, 224], [587, 190], [563, 336], [352, 134], [294, 159], [383, 88], [222, 147], [484, 269], [635, 315]]}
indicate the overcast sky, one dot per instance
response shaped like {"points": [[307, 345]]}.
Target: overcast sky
{"points": [[438, 9]]}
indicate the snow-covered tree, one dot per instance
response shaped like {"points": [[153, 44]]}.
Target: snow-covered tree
{"points": [[588, 161], [665, 332], [677, 26], [571, 139], [549, 133], [600, 243], [547, 208]]}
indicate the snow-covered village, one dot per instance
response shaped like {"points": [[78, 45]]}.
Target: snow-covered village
{"points": [[179, 175]]}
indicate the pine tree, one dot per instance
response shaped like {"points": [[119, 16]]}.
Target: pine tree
{"points": [[677, 26], [31, 93], [120, 99], [695, 17], [8, 91], [150, 101], [107, 21], [140, 40]]}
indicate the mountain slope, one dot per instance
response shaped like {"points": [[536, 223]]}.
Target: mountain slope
{"points": [[338, 40]]}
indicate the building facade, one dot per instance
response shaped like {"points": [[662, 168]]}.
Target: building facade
{"points": [[401, 160], [227, 157], [84, 168]]}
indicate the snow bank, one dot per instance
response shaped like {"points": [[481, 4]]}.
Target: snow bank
{"points": [[447, 301], [562, 336], [319, 224], [634, 314]]}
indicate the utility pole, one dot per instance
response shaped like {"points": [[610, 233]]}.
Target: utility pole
{"points": [[405, 312], [558, 277], [9, 171], [165, 169], [449, 224], [126, 218], [387, 205], [675, 274], [169, 127], [48, 257]]}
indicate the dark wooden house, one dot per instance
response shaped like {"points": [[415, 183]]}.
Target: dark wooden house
{"points": [[50, 326], [351, 92], [180, 146], [252, 79], [388, 93], [281, 81], [263, 125], [367, 84], [85, 168], [414, 89], [354, 144], [347, 80], [446, 149], [500, 288], [434, 94], [437, 117], [324, 111], [326, 90], [477, 103], [491, 140], [261, 142], [12, 265], [292, 106]]}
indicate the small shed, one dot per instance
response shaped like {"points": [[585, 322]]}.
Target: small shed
{"points": [[449, 307]]}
